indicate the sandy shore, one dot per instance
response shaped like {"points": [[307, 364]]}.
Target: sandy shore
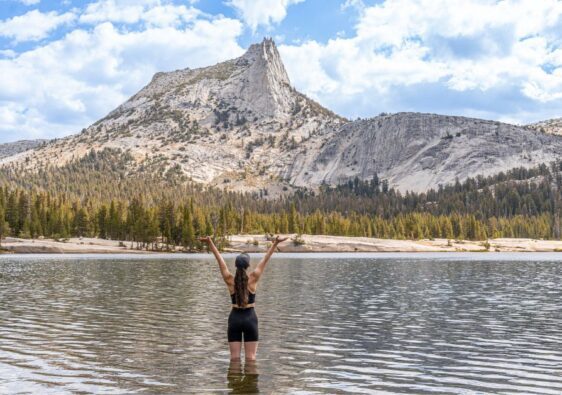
{"points": [[318, 243], [75, 245], [311, 243]]}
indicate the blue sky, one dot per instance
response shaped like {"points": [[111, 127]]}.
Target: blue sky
{"points": [[65, 64]]}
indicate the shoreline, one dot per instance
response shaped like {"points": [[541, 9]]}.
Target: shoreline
{"points": [[310, 243]]}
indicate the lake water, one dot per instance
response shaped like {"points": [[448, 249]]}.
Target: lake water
{"points": [[329, 323]]}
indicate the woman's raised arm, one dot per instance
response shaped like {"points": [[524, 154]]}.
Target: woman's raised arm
{"points": [[256, 274], [226, 275]]}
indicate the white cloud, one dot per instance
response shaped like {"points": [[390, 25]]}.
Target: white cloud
{"points": [[8, 53], [151, 12], [355, 4], [452, 46], [30, 2], [169, 15], [262, 12], [34, 25], [114, 11], [41, 95]]}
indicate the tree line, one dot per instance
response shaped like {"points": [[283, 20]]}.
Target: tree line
{"points": [[32, 214]]}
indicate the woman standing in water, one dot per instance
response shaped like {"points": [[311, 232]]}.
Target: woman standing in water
{"points": [[242, 321]]}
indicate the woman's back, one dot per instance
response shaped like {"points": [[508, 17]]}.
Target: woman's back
{"points": [[251, 298]]}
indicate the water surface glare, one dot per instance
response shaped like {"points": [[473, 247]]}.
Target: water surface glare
{"points": [[329, 323]]}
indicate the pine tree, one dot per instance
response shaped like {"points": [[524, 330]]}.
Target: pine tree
{"points": [[188, 232], [12, 213], [4, 226], [103, 222], [293, 220], [80, 224]]}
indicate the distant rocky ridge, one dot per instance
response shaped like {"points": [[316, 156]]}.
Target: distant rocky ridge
{"points": [[240, 125], [9, 149], [550, 126], [416, 151]]}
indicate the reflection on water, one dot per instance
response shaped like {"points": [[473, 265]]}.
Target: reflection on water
{"points": [[243, 378], [333, 324]]}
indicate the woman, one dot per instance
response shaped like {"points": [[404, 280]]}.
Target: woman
{"points": [[242, 321]]}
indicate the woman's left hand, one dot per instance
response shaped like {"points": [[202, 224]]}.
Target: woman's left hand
{"points": [[279, 240]]}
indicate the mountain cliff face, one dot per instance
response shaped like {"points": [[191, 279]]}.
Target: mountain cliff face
{"points": [[241, 125], [417, 151]]}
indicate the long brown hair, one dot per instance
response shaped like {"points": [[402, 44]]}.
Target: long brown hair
{"points": [[241, 280]]}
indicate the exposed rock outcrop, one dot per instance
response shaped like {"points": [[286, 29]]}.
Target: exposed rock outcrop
{"points": [[550, 126]]}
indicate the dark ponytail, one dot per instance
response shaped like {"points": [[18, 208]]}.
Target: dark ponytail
{"points": [[241, 280]]}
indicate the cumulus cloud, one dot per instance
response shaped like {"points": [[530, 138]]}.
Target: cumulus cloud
{"points": [[448, 45], [150, 12], [262, 12], [8, 53], [67, 84], [34, 25], [30, 2]]}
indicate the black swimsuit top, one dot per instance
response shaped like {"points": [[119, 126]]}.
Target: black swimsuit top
{"points": [[251, 298]]}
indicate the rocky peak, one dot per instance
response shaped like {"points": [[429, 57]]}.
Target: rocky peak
{"points": [[254, 86], [263, 86], [265, 59]]}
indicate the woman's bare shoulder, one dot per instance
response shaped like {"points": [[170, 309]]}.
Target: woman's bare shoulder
{"points": [[252, 278]]}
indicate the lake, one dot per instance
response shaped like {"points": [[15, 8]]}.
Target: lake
{"points": [[329, 323]]}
